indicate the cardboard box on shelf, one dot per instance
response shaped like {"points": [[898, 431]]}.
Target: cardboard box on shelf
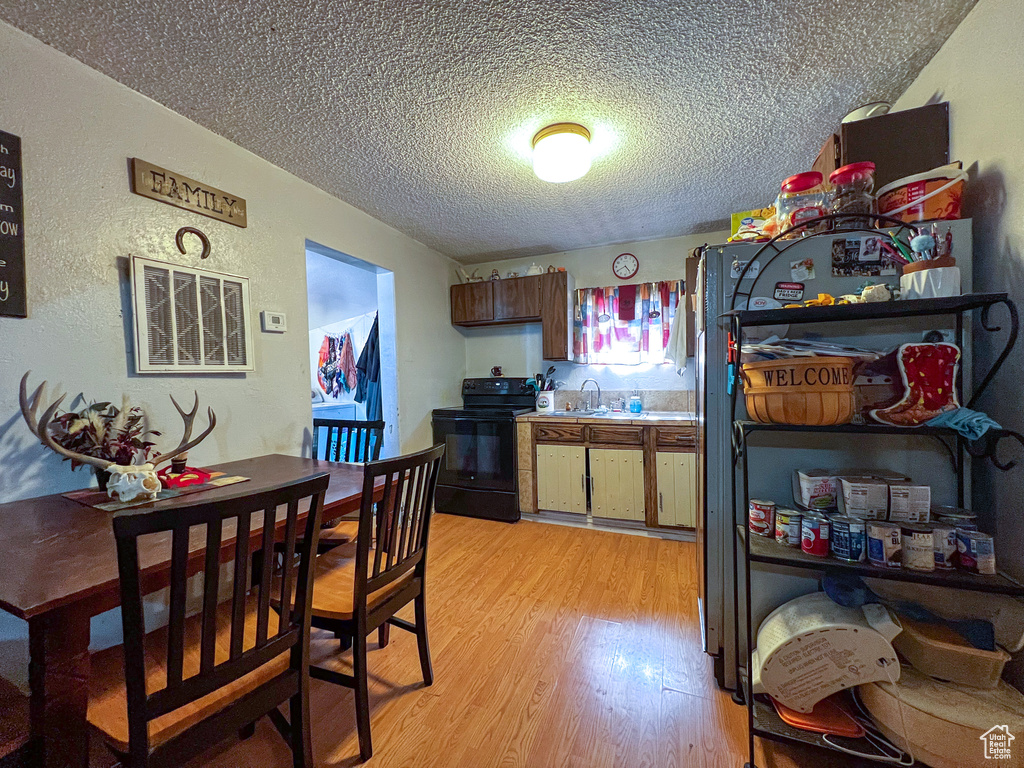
{"points": [[909, 503], [865, 496]]}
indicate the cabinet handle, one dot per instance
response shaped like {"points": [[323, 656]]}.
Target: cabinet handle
{"points": [[661, 501]]}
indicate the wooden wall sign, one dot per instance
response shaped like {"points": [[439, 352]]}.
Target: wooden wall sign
{"points": [[13, 299], [180, 191]]}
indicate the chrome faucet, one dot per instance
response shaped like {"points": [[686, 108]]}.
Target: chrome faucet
{"points": [[590, 401]]}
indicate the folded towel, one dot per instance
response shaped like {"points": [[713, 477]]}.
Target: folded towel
{"points": [[971, 424]]}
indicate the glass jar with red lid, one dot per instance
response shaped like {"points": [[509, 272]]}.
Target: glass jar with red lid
{"points": [[802, 198], [853, 189]]}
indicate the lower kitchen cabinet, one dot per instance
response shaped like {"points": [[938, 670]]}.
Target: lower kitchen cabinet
{"points": [[677, 488], [618, 483], [561, 478]]}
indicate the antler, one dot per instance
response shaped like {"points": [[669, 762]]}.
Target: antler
{"points": [[41, 427], [185, 444]]}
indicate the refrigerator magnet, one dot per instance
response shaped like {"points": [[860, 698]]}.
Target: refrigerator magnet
{"points": [[789, 292], [801, 270]]}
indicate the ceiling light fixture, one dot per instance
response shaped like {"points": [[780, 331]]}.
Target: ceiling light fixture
{"points": [[561, 152]]}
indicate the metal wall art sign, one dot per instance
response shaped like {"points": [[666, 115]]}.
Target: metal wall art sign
{"points": [[13, 300], [180, 191]]}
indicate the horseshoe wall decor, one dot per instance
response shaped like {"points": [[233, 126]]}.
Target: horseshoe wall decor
{"points": [[179, 240]]}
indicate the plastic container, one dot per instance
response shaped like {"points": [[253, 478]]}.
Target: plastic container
{"points": [[930, 279], [939, 651], [853, 188], [815, 391], [802, 198], [635, 405], [926, 196]]}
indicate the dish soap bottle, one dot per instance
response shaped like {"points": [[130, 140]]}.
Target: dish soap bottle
{"points": [[635, 406]]}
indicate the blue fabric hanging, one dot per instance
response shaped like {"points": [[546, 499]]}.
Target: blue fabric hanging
{"points": [[368, 388]]}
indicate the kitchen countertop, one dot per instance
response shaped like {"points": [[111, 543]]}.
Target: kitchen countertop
{"points": [[686, 418]]}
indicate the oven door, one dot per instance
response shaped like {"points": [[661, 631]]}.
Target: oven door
{"points": [[479, 451]]}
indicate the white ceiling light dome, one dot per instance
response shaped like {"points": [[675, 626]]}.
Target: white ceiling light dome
{"points": [[561, 152]]}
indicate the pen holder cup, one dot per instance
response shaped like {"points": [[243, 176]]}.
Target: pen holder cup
{"points": [[931, 279]]}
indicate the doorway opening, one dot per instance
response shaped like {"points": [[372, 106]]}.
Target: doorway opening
{"points": [[352, 350]]}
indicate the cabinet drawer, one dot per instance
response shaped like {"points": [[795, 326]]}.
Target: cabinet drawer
{"points": [[558, 433], [676, 437], [616, 435]]}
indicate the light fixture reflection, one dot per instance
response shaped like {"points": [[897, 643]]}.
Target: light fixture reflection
{"points": [[561, 152]]}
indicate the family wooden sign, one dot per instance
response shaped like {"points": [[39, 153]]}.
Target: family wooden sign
{"points": [[13, 299], [172, 188]]}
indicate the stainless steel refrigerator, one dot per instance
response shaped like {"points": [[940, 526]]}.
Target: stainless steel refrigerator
{"points": [[820, 265]]}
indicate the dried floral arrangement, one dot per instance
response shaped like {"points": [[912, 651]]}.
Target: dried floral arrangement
{"points": [[104, 431]]}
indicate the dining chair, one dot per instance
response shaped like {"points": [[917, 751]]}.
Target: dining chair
{"points": [[348, 441], [353, 441], [354, 595], [168, 695]]}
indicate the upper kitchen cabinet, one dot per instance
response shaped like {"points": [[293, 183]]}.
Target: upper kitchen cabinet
{"points": [[472, 304], [545, 298], [517, 298]]}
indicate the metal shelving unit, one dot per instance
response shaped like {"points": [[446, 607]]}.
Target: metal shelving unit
{"points": [[762, 719]]}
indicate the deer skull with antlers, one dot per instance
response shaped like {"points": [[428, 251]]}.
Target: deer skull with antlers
{"points": [[128, 482]]}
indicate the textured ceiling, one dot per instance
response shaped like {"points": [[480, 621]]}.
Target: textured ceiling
{"points": [[421, 113]]}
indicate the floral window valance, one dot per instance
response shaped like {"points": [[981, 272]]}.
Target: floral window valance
{"points": [[625, 324]]}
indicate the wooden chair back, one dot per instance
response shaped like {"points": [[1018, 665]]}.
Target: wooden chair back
{"points": [[276, 632], [402, 520], [353, 441]]}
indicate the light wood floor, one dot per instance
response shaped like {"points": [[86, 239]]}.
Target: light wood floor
{"points": [[552, 646]]}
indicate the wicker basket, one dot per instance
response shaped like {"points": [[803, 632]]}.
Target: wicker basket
{"points": [[814, 391]]}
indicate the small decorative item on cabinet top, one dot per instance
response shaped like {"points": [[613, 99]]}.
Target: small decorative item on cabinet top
{"points": [[495, 275]]}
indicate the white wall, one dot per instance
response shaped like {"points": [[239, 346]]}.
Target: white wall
{"points": [[980, 71], [337, 291], [517, 348], [78, 129]]}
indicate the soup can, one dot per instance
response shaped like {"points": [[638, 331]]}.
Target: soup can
{"points": [[944, 541], [848, 538], [884, 543], [762, 517], [955, 516], [787, 527], [918, 547], [814, 534], [976, 552]]}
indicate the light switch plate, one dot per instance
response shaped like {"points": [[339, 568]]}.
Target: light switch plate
{"points": [[273, 322]]}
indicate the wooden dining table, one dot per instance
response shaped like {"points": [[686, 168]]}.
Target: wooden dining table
{"points": [[59, 566]]}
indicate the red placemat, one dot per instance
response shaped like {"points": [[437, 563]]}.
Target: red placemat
{"points": [[92, 497]]}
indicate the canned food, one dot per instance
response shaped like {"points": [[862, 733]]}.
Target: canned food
{"points": [[762, 517], [918, 547], [848, 541], [884, 543], [944, 542], [787, 527], [976, 552], [814, 534], [954, 516]]}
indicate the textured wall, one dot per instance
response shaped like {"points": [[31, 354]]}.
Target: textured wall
{"points": [[518, 347], [422, 112], [78, 128], [979, 71]]}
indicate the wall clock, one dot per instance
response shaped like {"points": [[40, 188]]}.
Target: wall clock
{"points": [[625, 266]]}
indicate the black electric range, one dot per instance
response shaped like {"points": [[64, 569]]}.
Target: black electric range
{"points": [[478, 476]]}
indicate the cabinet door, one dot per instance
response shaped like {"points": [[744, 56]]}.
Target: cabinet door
{"points": [[561, 478], [556, 327], [618, 483], [517, 298], [472, 303], [677, 489]]}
